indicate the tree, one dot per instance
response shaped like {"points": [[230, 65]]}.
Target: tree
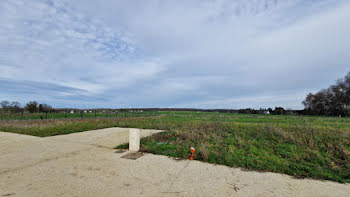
{"points": [[15, 106], [40, 108], [44, 108], [270, 110], [32, 106], [279, 111], [334, 100], [5, 106]]}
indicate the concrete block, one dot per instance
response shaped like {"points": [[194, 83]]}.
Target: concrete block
{"points": [[134, 139]]}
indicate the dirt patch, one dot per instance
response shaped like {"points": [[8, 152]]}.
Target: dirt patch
{"points": [[133, 156], [120, 151], [10, 194]]}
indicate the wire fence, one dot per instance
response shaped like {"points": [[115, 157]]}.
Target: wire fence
{"points": [[73, 114]]}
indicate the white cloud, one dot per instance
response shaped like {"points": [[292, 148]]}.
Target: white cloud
{"points": [[211, 53]]}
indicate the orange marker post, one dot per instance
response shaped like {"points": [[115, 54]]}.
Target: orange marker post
{"points": [[192, 151]]}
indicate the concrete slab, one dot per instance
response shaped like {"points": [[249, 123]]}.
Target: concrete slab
{"points": [[10, 141], [79, 166]]}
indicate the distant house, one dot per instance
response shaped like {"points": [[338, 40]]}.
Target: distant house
{"points": [[71, 111]]}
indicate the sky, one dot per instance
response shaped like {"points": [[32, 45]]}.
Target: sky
{"points": [[171, 53]]}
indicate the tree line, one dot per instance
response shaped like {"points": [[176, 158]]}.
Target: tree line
{"points": [[31, 107], [333, 101]]}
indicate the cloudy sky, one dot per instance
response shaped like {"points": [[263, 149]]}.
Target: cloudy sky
{"points": [[171, 53]]}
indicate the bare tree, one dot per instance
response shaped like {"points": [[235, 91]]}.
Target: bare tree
{"points": [[334, 100], [15, 107], [5, 106]]}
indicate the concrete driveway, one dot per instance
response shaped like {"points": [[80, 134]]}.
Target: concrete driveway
{"points": [[85, 164]]}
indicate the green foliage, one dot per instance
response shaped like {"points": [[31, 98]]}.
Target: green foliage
{"points": [[32, 106]]}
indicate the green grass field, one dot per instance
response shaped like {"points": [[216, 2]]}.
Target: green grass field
{"points": [[108, 114], [302, 146]]}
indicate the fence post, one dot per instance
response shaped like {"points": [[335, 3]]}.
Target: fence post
{"points": [[46, 115], [22, 114], [95, 113], [81, 114], [125, 113]]}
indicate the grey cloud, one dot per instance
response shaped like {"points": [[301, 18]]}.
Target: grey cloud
{"points": [[208, 54]]}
